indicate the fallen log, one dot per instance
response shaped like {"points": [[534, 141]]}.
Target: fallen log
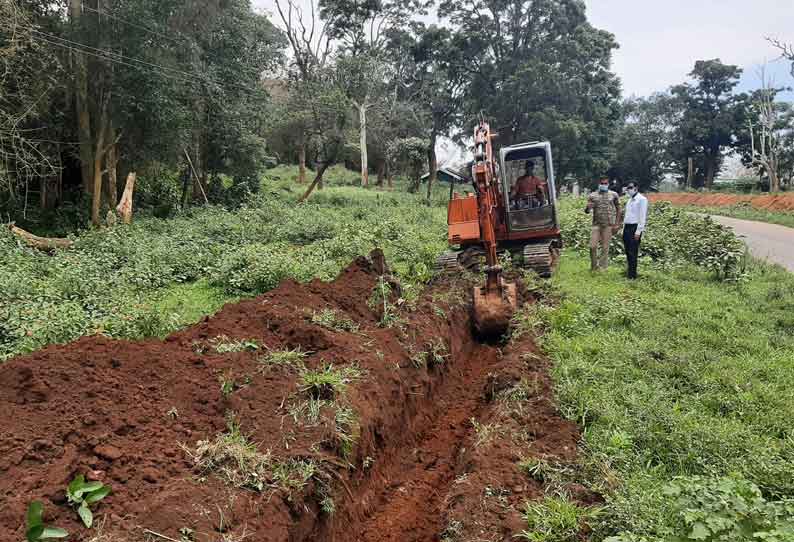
{"points": [[40, 243]]}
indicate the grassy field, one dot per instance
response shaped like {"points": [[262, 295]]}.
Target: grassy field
{"points": [[683, 387]]}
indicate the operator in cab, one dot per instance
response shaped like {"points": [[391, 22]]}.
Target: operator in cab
{"points": [[529, 191]]}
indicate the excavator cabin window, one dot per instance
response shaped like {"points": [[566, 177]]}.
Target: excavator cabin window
{"points": [[528, 184]]}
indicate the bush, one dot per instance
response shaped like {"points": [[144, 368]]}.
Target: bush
{"points": [[673, 236]]}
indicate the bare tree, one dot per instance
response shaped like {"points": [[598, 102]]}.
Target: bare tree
{"points": [[786, 50], [765, 133]]}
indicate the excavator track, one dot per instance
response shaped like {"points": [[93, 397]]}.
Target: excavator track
{"points": [[470, 259], [540, 257]]}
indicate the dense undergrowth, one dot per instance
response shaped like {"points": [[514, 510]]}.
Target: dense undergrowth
{"points": [[156, 275]]}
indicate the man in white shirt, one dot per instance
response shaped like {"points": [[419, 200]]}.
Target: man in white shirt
{"points": [[634, 220]]}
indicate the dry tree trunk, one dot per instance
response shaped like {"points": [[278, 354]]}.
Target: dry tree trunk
{"points": [[318, 179], [124, 208], [362, 117], [40, 243]]}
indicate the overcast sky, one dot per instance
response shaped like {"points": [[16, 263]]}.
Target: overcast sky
{"points": [[660, 40]]}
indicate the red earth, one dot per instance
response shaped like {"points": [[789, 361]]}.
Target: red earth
{"points": [[769, 202], [441, 422]]}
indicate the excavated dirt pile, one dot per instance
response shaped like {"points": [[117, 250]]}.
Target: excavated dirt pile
{"points": [[314, 412], [769, 202]]}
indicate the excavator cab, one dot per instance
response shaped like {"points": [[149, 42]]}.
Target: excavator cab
{"points": [[528, 187]]}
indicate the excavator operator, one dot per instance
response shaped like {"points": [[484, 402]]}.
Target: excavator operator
{"points": [[529, 191]]}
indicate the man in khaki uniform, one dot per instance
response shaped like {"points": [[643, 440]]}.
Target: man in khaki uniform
{"points": [[605, 206]]}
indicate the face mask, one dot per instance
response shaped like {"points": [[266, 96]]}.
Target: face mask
{"points": [[603, 187], [632, 191]]}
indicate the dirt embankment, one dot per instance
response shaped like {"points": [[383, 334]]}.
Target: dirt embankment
{"points": [[778, 202], [408, 432]]}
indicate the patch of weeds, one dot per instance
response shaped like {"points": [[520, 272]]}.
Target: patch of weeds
{"points": [[327, 505], [347, 430], [511, 401], [334, 320], [537, 468], [438, 311], [485, 433], [555, 519], [437, 352], [454, 531], [228, 384], [225, 345], [199, 347], [329, 382], [283, 358], [434, 354], [238, 462], [379, 301]]}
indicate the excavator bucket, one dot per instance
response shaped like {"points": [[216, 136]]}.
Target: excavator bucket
{"points": [[493, 309]]}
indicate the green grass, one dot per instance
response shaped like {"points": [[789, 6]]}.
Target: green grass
{"points": [[160, 274], [748, 212], [673, 375], [187, 303]]}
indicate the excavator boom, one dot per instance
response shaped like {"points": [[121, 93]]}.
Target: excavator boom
{"points": [[494, 303]]}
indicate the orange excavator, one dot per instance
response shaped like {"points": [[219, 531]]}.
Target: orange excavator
{"points": [[513, 210]]}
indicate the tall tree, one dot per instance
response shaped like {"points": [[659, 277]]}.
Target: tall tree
{"points": [[539, 70], [643, 141], [712, 117]]}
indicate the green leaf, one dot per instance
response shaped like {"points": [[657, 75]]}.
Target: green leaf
{"points": [[35, 511], [97, 495], [74, 486], [54, 532], [34, 533], [86, 515], [90, 487]]}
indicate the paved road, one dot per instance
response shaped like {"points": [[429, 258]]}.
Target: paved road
{"points": [[766, 241]]}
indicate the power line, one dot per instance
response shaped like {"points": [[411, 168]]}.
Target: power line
{"points": [[113, 53], [134, 25], [103, 54]]}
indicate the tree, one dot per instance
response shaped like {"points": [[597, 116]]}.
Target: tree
{"points": [[643, 141], [316, 88], [30, 95], [768, 124], [786, 50], [539, 70], [711, 117], [439, 82]]}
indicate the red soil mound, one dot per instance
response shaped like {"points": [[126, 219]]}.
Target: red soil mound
{"points": [[130, 414], [770, 202]]}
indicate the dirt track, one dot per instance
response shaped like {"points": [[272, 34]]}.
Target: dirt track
{"points": [[436, 448]]}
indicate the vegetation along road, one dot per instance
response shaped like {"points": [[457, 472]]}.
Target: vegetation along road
{"points": [[766, 241]]}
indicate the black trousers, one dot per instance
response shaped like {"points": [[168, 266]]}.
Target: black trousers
{"points": [[632, 246]]}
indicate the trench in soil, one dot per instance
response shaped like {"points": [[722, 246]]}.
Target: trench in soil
{"points": [[126, 413]]}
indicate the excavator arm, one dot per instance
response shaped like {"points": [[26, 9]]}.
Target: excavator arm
{"points": [[494, 303]]}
